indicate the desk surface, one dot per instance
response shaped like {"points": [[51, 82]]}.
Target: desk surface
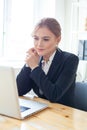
{"points": [[55, 117]]}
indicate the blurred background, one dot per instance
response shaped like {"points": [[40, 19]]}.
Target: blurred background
{"points": [[17, 20]]}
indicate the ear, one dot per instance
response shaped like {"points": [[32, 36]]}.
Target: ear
{"points": [[58, 39]]}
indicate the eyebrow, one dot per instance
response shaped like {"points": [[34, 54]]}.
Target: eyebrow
{"points": [[42, 37]]}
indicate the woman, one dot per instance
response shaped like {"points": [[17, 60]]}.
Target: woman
{"points": [[49, 71]]}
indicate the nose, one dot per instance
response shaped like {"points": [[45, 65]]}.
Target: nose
{"points": [[39, 42]]}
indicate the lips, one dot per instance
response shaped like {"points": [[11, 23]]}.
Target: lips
{"points": [[40, 49]]}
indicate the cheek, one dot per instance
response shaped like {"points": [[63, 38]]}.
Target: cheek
{"points": [[50, 45], [35, 44]]}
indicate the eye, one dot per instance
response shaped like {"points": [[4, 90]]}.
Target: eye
{"points": [[36, 38], [46, 39]]}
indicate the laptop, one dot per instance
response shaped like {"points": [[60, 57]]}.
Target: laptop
{"points": [[10, 103]]}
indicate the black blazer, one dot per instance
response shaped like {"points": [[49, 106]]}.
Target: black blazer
{"points": [[58, 85]]}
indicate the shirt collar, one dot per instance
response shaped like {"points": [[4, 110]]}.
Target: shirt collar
{"points": [[50, 58]]}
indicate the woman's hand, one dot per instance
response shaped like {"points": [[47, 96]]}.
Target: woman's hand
{"points": [[32, 58]]}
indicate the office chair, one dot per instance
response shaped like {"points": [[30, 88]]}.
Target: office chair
{"points": [[80, 96]]}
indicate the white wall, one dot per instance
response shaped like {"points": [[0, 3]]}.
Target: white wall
{"points": [[60, 16], [67, 24], [1, 24], [63, 15]]}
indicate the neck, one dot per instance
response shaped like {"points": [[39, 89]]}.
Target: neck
{"points": [[46, 57]]}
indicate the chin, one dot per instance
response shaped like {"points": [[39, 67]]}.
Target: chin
{"points": [[40, 54]]}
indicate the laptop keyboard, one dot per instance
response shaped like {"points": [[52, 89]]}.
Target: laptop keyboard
{"points": [[22, 108]]}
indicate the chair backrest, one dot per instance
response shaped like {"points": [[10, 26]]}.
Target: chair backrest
{"points": [[80, 96]]}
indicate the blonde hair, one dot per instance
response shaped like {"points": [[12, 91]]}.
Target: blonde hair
{"points": [[51, 23]]}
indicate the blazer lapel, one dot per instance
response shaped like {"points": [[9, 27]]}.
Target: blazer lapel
{"points": [[55, 64], [40, 61]]}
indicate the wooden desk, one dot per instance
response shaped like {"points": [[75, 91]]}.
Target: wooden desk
{"points": [[56, 117]]}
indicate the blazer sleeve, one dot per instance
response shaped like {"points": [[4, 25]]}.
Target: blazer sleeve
{"points": [[23, 81], [54, 91]]}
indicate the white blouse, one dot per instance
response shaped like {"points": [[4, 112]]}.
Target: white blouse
{"points": [[46, 65]]}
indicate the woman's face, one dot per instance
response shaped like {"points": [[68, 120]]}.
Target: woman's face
{"points": [[45, 42]]}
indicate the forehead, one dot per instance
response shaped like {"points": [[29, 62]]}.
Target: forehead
{"points": [[43, 31]]}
